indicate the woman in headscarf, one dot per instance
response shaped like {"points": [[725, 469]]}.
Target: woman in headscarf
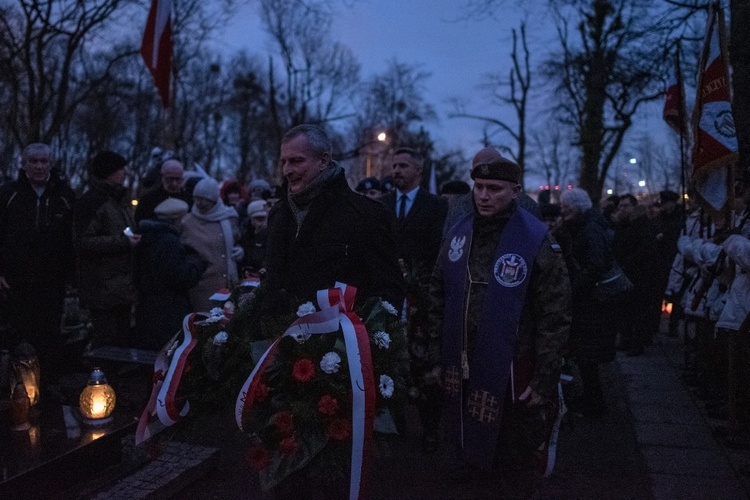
{"points": [[211, 230]]}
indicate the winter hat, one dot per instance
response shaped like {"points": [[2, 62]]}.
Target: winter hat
{"points": [[455, 187], [207, 188], [171, 208], [256, 207], [490, 164], [668, 196], [105, 163], [258, 187]]}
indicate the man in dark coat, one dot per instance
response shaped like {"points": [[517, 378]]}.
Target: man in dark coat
{"points": [[36, 254], [171, 186], [418, 217], [106, 250], [323, 232], [165, 271]]}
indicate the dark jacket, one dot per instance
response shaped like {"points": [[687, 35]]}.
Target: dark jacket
{"points": [[419, 234], [344, 237], [105, 257], [151, 198], [634, 249], [545, 321], [165, 271], [586, 247], [36, 239]]}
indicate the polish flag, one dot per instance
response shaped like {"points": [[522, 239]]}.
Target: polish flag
{"points": [[157, 46]]}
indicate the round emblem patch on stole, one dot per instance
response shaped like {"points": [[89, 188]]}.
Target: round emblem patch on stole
{"points": [[510, 270]]}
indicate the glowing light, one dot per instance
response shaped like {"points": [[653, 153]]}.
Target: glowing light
{"points": [[134, 203], [642, 183], [632, 161], [382, 136], [609, 191]]}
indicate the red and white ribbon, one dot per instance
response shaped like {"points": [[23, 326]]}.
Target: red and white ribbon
{"points": [[336, 306], [162, 407]]}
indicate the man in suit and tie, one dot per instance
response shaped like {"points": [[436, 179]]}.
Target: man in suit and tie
{"points": [[418, 219]]}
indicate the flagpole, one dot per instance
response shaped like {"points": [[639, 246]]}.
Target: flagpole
{"points": [[683, 130], [729, 209]]}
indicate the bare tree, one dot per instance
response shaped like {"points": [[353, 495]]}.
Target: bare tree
{"points": [[519, 86], [45, 62], [555, 161], [603, 75]]}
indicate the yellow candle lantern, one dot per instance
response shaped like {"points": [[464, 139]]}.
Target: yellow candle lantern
{"points": [[97, 399]]}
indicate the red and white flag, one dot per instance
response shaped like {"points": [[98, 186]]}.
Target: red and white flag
{"points": [[675, 113], [715, 145], [157, 46]]}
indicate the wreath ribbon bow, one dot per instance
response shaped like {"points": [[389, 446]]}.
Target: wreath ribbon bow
{"points": [[336, 311]]}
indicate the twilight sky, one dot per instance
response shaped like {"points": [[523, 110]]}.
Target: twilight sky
{"points": [[432, 34]]}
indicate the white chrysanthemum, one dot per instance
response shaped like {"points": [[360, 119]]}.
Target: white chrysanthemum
{"points": [[330, 362], [305, 309], [221, 338], [386, 386], [215, 315], [389, 307], [382, 340]]}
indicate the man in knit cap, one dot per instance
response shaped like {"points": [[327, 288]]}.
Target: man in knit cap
{"points": [[462, 205], [501, 309], [105, 242]]}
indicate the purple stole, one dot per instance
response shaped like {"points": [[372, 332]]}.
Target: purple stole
{"points": [[473, 417]]}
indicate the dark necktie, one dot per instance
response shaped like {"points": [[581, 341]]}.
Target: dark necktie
{"points": [[402, 207]]}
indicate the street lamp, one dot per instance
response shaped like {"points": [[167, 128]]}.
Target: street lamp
{"points": [[632, 161], [382, 136], [642, 183]]}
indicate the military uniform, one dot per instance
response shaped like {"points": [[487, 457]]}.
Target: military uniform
{"points": [[541, 336]]}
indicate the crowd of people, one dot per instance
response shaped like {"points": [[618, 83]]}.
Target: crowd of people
{"points": [[500, 293]]}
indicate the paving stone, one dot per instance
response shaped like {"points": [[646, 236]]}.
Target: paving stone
{"points": [[664, 413], [668, 487], [674, 435], [686, 462]]}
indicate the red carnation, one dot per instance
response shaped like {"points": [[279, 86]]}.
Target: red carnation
{"points": [[303, 370], [257, 457], [288, 446], [328, 405], [284, 422], [339, 429]]}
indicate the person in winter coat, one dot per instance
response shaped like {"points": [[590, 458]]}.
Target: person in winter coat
{"points": [[165, 271], [586, 246], [211, 230], [106, 250], [36, 254], [634, 249], [322, 232]]}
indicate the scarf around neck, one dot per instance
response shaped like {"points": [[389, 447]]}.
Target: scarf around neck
{"points": [[222, 214], [300, 202]]}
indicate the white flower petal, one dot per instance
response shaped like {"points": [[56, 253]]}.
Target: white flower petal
{"points": [[382, 340], [221, 338], [386, 386], [330, 362], [305, 309], [389, 307]]}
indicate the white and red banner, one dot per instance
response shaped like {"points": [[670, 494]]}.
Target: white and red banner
{"points": [[336, 306], [715, 145], [675, 111], [156, 48], [163, 408]]}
